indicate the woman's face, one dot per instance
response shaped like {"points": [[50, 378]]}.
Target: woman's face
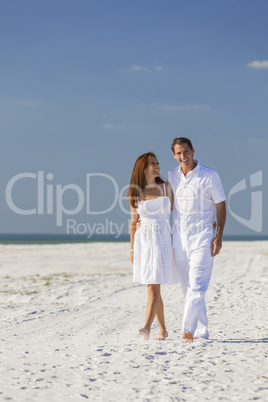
{"points": [[153, 170]]}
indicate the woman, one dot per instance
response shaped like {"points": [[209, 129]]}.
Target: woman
{"points": [[151, 251]]}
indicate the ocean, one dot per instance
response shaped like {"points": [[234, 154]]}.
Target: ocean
{"points": [[57, 239]]}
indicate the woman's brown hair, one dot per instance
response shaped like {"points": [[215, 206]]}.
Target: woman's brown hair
{"points": [[138, 181]]}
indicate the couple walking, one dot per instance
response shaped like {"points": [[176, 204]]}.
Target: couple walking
{"points": [[195, 194]]}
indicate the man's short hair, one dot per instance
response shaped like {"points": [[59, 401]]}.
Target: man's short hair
{"points": [[181, 140]]}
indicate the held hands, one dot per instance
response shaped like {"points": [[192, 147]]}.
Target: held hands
{"points": [[216, 245]]}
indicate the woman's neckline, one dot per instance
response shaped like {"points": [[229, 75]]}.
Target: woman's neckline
{"points": [[163, 185], [155, 198]]}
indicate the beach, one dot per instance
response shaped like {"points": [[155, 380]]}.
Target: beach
{"points": [[70, 315]]}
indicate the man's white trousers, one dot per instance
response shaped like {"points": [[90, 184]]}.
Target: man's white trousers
{"points": [[195, 268]]}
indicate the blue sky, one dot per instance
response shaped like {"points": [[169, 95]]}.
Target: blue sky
{"points": [[88, 86]]}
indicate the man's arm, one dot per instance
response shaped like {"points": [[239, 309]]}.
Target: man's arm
{"points": [[221, 218]]}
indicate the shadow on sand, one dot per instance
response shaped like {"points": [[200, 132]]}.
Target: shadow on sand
{"points": [[246, 340]]}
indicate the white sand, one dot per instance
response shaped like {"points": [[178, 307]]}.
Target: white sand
{"points": [[70, 315]]}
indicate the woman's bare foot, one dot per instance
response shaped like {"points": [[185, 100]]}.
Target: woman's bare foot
{"points": [[187, 336], [162, 336], [146, 334]]}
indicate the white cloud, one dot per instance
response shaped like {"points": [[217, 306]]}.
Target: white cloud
{"points": [[28, 102], [258, 141], [140, 68], [111, 125], [258, 64], [176, 108], [158, 68], [137, 67]]}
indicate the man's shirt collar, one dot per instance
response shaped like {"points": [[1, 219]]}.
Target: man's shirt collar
{"points": [[194, 171]]}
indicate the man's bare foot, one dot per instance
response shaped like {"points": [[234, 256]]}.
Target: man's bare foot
{"points": [[187, 336], [162, 337]]}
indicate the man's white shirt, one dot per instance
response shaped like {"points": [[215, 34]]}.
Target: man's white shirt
{"points": [[195, 199]]}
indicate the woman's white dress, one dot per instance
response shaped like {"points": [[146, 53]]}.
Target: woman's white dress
{"points": [[153, 252]]}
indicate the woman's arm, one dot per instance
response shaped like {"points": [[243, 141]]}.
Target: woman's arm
{"points": [[170, 194], [132, 229]]}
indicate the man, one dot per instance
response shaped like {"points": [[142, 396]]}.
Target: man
{"points": [[198, 194]]}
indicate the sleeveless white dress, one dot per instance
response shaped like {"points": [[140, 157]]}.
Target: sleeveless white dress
{"points": [[153, 252]]}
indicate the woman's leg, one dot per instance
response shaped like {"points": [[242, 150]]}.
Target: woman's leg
{"points": [[161, 320], [153, 301]]}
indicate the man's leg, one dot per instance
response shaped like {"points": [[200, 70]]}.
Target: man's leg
{"points": [[182, 264], [183, 267], [202, 324], [200, 269]]}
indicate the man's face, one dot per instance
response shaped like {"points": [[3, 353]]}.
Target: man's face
{"points": [[184, 155]]}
